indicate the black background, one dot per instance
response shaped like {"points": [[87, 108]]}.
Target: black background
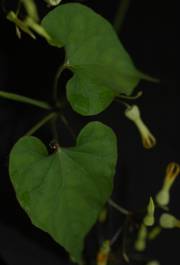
{"points": [[27, 67]]}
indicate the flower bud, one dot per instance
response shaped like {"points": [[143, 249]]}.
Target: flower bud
{"points": [[133, 114], [163, 197], [149, 218], [140, 243], [154, 233], [169, 221], [53, 2], [153, 262]]}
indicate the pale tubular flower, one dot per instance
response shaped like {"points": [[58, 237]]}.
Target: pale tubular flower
{"points": [[29, 26], [103, 254], [20, 25], [53, 2], [169, 221], [133, 114], [31, 9], [163, 196], [172, 171]]}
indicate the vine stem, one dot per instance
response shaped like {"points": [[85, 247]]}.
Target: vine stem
{"points": [[40, 123], [138, 95], [54, 129], [55, 85], [122, 103], [66, 123], [121, 14], [118, 207], [23, 99]]}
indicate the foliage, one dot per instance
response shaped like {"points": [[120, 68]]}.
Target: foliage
{"points": [[102, 68], [64, 191]]}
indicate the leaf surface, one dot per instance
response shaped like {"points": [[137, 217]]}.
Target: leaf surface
{"points": [[102, 68], [64, 192]]}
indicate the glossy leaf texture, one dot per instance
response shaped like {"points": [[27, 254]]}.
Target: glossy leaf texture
{"points": [[102, 68], [64, 192]]}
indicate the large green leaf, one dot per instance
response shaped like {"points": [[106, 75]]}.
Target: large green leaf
{"points": [[64, 192], [102, 68]]}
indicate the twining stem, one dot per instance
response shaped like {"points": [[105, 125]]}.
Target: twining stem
{"points": [[121, 14], [41, 123], [55, 85], [66, 123], [118, 207], [22, 99], [125, 104], [138, 95]]}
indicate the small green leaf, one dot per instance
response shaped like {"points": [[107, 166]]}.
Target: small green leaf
{"points": [[64, 193], [102, 68]]}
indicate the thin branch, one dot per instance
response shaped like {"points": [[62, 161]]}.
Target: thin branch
{"points": [[40, 123], [116, 235], [26, 100], [121, 14], [124, 242], [118, 207]]}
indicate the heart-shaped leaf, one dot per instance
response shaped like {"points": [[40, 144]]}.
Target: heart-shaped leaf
{"points": [[102, 68], [64, 192]]}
